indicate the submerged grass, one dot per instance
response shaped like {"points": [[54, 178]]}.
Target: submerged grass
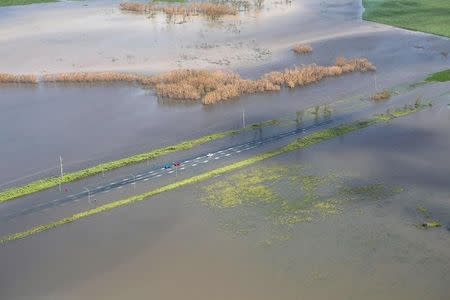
{"points": [[381, 96], [315, 138], [432, 16], [47, 183], [442, 76]]}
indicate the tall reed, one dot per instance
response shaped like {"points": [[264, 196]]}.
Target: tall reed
{"points": [[84, 77], [211, 10], [12, 78], [213, 86]]}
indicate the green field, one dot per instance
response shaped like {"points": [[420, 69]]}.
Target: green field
{"points": [[432, 16], [23, 2], [442, 76]]}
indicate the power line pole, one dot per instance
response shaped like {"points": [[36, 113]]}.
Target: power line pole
{"points": [[134, 181], [89, 195], [61, 169]]}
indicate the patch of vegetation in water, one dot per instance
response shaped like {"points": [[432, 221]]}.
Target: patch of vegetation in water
{"points": [[442, 76], [428, 222], [375, 191], [432, 16], [23, 2], [168, 1], [270, 202]]}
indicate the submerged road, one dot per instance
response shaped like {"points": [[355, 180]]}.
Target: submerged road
{"points": [[177, 167]]}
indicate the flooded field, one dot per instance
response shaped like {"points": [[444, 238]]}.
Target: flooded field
{"points": [[365, 215], [120, 120], [342, 218], [136, 120]]}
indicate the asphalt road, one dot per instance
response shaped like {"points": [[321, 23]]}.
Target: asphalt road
{"points": [[168, 169]]}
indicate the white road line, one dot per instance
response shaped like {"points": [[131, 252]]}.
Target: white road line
{"points": [[217, 157], [170, 172], [239, 151], [159, 175], [182, 168], [227, 154], [119, 187], [146, 179], [205, 161], [193, 165]]}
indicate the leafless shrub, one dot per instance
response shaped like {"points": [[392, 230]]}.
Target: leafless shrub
{"points": [[210, 86], [211, 10], [302, 49], [12, 78], [354, 65], [383, 95]]}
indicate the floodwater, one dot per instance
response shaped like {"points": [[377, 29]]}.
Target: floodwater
{"points": [[88, 124], [367, 244], [339, 220]]}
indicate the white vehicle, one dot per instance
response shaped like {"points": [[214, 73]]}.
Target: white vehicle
{"points": [[209, 154]]}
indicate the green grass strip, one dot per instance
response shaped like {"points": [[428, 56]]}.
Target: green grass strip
{"points": [[300, 143], [46, 183], [23, 2], [432, 16], [442, 76]]}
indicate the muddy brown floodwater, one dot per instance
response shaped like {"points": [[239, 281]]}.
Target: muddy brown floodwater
{"points": [[89, 124], [339, 220]]}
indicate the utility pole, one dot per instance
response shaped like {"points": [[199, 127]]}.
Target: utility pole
{"points": [[61, 168], [89, 195], [134, 181]]}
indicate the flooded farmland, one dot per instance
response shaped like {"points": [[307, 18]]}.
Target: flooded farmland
{"points": [[363, 214], [306, 224]]}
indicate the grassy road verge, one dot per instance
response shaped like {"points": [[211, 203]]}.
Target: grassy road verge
{"points": [[300, 143], [432, 16]]}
